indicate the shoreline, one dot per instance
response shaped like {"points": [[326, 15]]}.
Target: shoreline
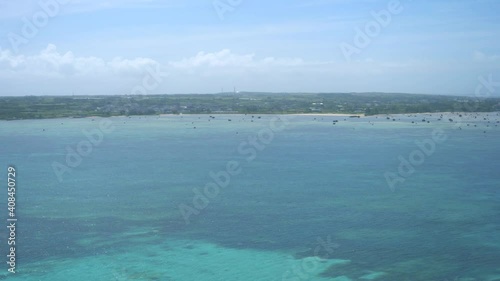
{"points": [[327, 114], [354, 115]]}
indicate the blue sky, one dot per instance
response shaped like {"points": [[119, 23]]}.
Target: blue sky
{"points": [[112, 46]]}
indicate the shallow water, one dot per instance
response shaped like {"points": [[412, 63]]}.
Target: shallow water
{"points": [[310, 200]]}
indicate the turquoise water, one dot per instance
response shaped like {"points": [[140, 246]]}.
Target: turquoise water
{"points": [[309, 201]]}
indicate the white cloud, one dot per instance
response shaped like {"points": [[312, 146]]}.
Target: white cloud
{"points": [[63, 72], [51, 62], [226, 58]]}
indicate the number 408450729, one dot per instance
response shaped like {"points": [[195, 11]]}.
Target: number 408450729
{"points": [[11, 183]]}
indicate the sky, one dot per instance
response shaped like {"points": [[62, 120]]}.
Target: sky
{"points": [[110, 47]]}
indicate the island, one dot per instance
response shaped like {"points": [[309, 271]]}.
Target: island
{"points": [[44, 107]]}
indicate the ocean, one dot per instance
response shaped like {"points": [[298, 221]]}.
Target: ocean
{"points": [[254, 197]]}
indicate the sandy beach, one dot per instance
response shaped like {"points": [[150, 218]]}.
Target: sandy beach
{"points": [[328, 114]]}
